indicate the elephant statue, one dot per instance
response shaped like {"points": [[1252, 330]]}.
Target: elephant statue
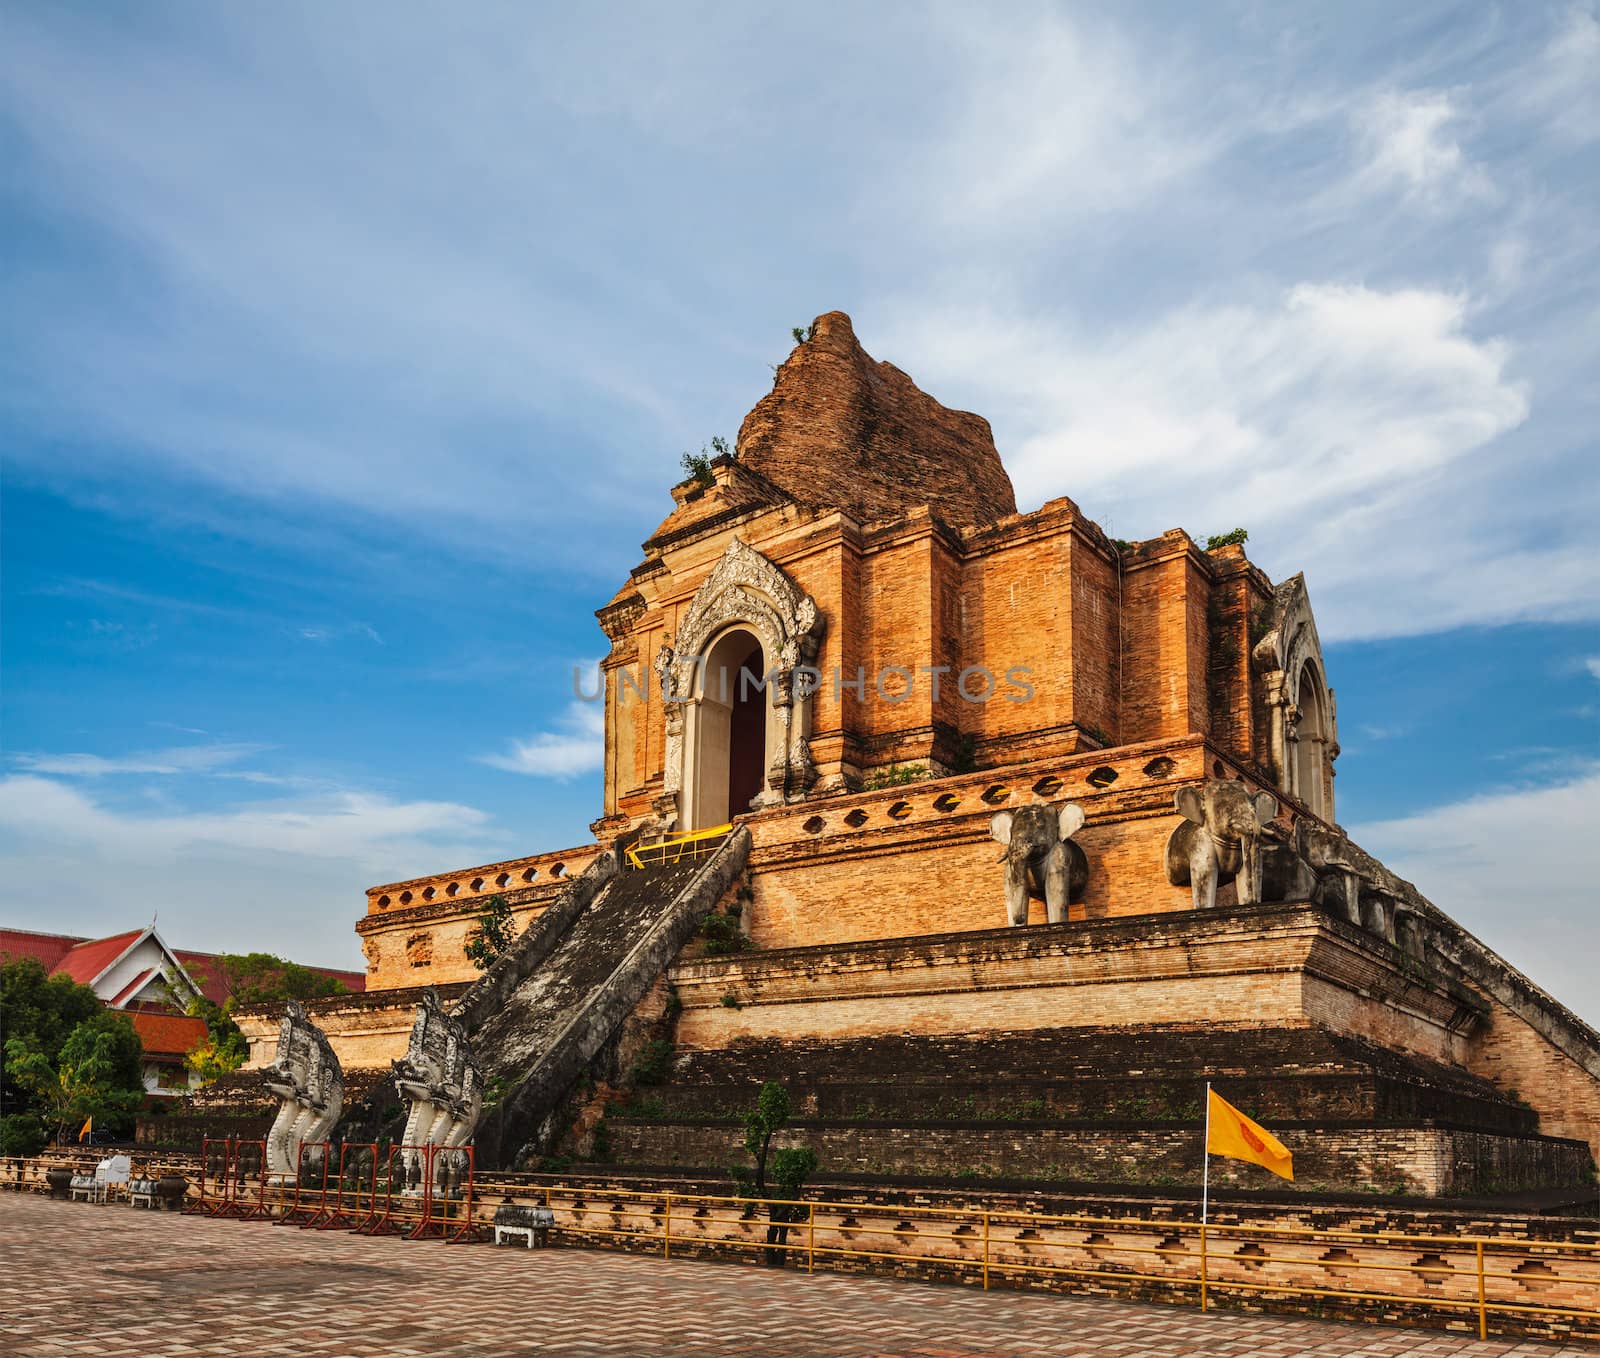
{"points": [[1219, 840], [1331, 856], [1041, 859]]}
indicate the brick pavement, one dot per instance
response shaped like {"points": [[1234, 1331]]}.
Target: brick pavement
{"points": [[120, 1283]]}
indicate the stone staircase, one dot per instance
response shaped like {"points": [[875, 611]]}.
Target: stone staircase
{"points": [[548, 1008]]}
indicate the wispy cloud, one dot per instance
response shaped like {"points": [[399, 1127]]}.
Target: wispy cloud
{"points": [[338, 632], [1332, 420], [1518, 869], [576, 747], [1562, 86], [291, 870], [1409, 142], [177, 759]]}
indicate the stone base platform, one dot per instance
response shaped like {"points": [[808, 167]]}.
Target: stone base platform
{"points": [[1080, 1053]]}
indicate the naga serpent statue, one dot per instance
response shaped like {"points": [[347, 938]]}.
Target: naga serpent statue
{"points": [[309, 1082], [441, 1078]]}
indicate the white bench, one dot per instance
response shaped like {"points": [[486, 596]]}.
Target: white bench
{"points": [[142, 1193]]}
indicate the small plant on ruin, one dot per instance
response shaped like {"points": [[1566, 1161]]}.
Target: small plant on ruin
{"points": [[964, 758], [730, 1001], [1237, 538], [698, 465], [495, 933], [722, 934], [653, 1064], [803, 334], [781, 1173], [896, 775]]}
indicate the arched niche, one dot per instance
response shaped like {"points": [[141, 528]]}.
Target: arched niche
{"points": [[1312, 774], [1302, 722], [727, 734], [746, 606]]}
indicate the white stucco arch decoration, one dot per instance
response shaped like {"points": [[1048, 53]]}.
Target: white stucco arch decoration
{"points": [[1302, 720], [745, 591]]}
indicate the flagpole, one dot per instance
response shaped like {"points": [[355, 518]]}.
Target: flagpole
{"points": [[1205, 1197]]}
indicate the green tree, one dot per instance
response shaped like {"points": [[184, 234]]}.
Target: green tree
{"points": [[789, 1167], [223, 1049], [496, 931], [248, 981], [45, 1011], [87, 1078]]}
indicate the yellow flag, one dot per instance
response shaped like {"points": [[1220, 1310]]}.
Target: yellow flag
{"points": [[88, 1126], [1232, 1134]]}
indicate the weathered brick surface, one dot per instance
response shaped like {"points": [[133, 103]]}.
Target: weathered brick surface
{"points": [[1425, 1161], [841, 430]]}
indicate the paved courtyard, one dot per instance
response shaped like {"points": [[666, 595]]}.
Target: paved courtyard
{"points": [[77, 1279]]}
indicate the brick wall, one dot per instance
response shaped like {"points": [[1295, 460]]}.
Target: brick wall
{"points": [[1425, 1161]]}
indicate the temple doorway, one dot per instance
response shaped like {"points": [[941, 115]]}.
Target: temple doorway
{"points": [[730, 737]]}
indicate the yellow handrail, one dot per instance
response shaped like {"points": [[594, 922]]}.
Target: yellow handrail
{"points": [[675, 848], [1447, 1288]]}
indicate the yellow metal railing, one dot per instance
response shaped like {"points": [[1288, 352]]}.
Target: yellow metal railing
{"points": [[1481, 1277], [678, 848]]}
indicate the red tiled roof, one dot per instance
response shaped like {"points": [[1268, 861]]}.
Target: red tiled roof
{"points": [[167, 1034], [86, 961], [48, 948]]}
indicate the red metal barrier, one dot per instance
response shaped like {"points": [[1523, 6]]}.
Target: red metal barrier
{"points": [[216, 1168], [306, 1203], [450, 1203], [426, 1191], [353, 1203], [247, 1198]]}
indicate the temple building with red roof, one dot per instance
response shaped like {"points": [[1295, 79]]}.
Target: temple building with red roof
{"points": [[138, 973]]}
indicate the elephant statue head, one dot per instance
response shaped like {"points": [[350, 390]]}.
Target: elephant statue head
{"points": [[1220, 840], [1041, 859]]}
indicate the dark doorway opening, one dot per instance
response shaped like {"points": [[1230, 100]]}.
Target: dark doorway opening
{"points": [[747, 732]]}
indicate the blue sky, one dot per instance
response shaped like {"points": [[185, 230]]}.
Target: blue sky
{"points": [[348, 353]]}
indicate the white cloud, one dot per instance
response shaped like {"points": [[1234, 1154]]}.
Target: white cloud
{"points": [[577, 747], [1336, 422], [1517, 868], [1407, 138], [1562, 86], [286, 874], [1046, 117], [1592, 664], [179, 759]]}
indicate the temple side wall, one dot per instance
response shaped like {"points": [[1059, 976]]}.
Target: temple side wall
{"points": [[1258, 967], [1427, 1161]]}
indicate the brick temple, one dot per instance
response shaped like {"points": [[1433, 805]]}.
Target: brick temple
{"points": [[1012, 836]]}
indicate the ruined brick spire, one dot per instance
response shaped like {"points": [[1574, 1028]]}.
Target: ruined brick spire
{"points": [[842, 430]]}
